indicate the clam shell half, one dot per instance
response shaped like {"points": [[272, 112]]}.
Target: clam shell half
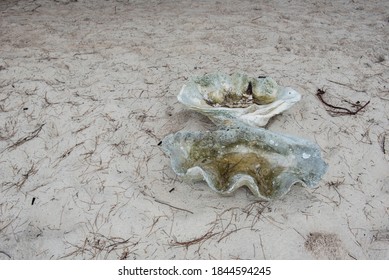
{"points": [[266, 162], [237, 99]]}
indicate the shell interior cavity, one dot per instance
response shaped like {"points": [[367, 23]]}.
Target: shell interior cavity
{"points": [[268, 163], [234, 99]]}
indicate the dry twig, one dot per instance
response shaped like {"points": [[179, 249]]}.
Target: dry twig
{"points": [[337, 110]]}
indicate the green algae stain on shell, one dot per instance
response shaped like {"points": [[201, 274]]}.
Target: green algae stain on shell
{"points": [[264, 90], [229, 165], [224, 164]]}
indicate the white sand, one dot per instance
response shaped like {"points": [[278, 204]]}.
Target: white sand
{"points": [[88, 89]]}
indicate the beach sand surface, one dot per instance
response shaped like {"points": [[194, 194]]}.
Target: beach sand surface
{"points": [[88, 90]]}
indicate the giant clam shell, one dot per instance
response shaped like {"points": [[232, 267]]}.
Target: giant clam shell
{"points": [[266, 162], [236, 99]]}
